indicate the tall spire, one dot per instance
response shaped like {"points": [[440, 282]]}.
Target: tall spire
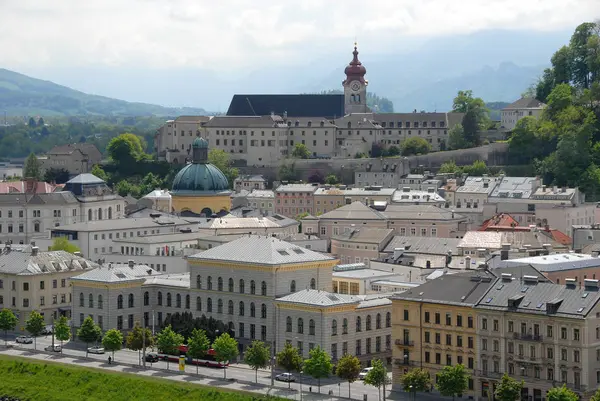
{"points": [[355, 70]]}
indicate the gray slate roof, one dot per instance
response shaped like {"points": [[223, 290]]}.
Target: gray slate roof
{"points": [[356, 210], [419, 212], [52, 198], [260, 250], [21, 262], [525, 103], [319, 298], [85, 178], [426, 245], [117, 273], [125, 224], [365, 235]]}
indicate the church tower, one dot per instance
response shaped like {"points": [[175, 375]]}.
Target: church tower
{"points": [[355, 86]]}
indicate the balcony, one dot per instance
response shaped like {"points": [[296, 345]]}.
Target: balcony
{"points": [[576, 387], [527, 337], [404, 362], [489, 374], [404, 342]]}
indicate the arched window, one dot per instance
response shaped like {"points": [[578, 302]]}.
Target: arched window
{"points": [[313, 283], [263, 311], [378, 321], [99, 213], [91, 301], [349, 124], [220, 306], [357, 98], [109, 212], [36, 227], [230, 284], [311, 327], [209, 305], [242, 286], [81, 300], [293, 286], [178, 300], [187, 301], [90, 215], [159, 301], [388, 319], [241, 308], [368, 325], [288, 324], [146, 298], [209, 282], [198, 304], [345, 326], [300, 325], [100, 302], [199, 281], [358, 324], [169, 299], [230, 307], [220, 284], [252, 287], [130, 301], [252, 310], [120, 302], [263, 289], [334, 327]]}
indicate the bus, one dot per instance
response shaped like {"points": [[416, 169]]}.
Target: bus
{"points": [[206, 360]]}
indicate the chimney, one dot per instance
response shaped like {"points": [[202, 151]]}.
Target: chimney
{"points": [[467, 262], [130, 262], [543, 188], [504, 251], [452, 213], [590, 284], [571, 283], [506, 277], [530, 279], [34, 250], [32, 243], [77, 253], [547, 249]]}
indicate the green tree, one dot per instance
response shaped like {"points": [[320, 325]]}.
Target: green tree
{"points": [[331, 179], [348, 369], [138, 339], [63, 244], [544, 85], [226, 350], [452, 381], [31, 122], [89, 332], [56, 175], [34, 326], [32, 168], [62, 331], [393, 151], [318, 365], [40, 122], [523, 142], [478, 168], [257, 356], [456, 138], [112, 341], [288, 172], [198, 345], [168, 341], [415, 146], [561, 65], [220, 159], [471, 126], [561, 394], [289, 359], [300, 151], [8, 321], [508, 389], [125, 150], [416, 380], [580, 53], [596, 396], [449, 167], [99, 172], [378, 377], [464, 102]]}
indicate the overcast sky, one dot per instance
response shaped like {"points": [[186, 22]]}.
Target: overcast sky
{"points": [[222, 34]]}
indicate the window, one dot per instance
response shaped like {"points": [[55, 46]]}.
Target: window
{"points": [[388, 319], [293, 286], [187, 301], [378, 321], [438, 338], [437, 318], [288, 324], [448, 339], [209, 305], [230, 286], [484, 346], [470, 322], [252, 309], [495, 325], [169, 299], [448, 319], [242, 286], [220, 284], [198, 303], [230, 307], [427, 319], [252, 287], [484, 324], [345, 326], [160, 299], [406, 315], [130, 301], [358, 350], [120, 302], [334, 327], [300, 326], [241, 308], [549, 331], [368, 323], [219, 306], [575, 334], [209, 282], [459, 320], [263, 311], [199, 282], [511, 326], [263, 289], [563, 333], [358, 324], [470, 342], [81, 300], [459, 342], [313, 284]]}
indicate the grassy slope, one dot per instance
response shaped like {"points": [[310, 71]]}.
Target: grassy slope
{"points": [[28, 380]]}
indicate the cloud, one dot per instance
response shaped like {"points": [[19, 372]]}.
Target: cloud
{"points": [[233, 34]]}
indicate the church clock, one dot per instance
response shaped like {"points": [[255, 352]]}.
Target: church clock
{"points": [[355, 86]]}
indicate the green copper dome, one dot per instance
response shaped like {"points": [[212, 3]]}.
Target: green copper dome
{"points": [[200, 143], [198, 178]]}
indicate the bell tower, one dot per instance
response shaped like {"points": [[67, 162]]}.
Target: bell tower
{"points": [[355, 86]]}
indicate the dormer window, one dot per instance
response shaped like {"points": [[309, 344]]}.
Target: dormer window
{"points": [[433, 124], [296, 123], [416, 124], [349, 124], [407, 124], [391, 124], [310, 123], [442, 124], [424, 124], [322, 123], [399, 124]]}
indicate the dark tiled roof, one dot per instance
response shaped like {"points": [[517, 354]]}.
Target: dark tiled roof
{"points": [[425, 245], [87, 149], [525, 103], [329, 106], [244, 121], [192, 119]]}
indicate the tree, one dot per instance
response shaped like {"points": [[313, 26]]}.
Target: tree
{"points": [[168, 341], [125, 150], [415, 146], [449, 167], [89, 332], [561, 394], [523, 142], [318, 365], [471, 127], [456, 138], [40, 122], [198, 345], [32, 168], [138, 339], [561, 65], [112, 341], [478, 169], [348, 368], [62, 331], [31, 122], [377, 150], [464, 102], [331, 179], [580, 54], [508, 389], [289, 359], [56, 175], [220, 159], [34, 326], [416, 380], [393, 151], [62, 244], [300, 151], [288, 172], [596, 397], [316, 176], [226, 350], [8, 321], [378, 377], [544, 85], [452, 381], [99, 172], [257, 356]]}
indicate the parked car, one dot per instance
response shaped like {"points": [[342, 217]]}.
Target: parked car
{"points": [[24, 340], [363, 373], [152, 357], [96, 350], [46, 331], [285, 377], [55, 348]]}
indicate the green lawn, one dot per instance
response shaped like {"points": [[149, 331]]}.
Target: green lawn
{"points": [[32, 380]]}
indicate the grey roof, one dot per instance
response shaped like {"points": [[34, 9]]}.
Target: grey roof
{"points": [[365, 235], [125, 224], [354, 211], [535, 296], [87, 149], [453, 289], [261, 250], [296, 188], [324, 191], [478, 185], [426, 245], [192, 119], [525, 103], [517, 239], [261, 193], [519, 271], [52, 198], [420, 212], [319, 298], [357, 121], [251, 178], [556, 262], [233, 222], [417, 117], [363, 273], [162, 238], [515, 187], [180, 280], [117, 273], [85, 178], [22, 262], [244, 122]]}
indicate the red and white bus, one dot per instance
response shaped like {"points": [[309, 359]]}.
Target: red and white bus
{"points": [[206, 360]]}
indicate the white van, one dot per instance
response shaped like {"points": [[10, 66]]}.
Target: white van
{"points": [[363, 373]]}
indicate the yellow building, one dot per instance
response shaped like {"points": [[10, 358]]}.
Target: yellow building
{"points": [[200, 188], [435, 325]]}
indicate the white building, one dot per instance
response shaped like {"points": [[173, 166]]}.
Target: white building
{"points": [[524, 107]]}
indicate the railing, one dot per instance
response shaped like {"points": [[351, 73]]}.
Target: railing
{"points": [[407, 343], [527, 337]]}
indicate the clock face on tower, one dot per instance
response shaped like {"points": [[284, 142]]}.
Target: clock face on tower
{"points": [[355, 86]]}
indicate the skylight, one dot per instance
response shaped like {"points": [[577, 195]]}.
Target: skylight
{"points": [[283, 253], [524, 289], [580, 310], [121, 275], [500, 287], [298, 251], [487, 301], [527, 304], [539, 305], [585, 294]]}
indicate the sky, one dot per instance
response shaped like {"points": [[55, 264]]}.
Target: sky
{"points": [[241, 34]]}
